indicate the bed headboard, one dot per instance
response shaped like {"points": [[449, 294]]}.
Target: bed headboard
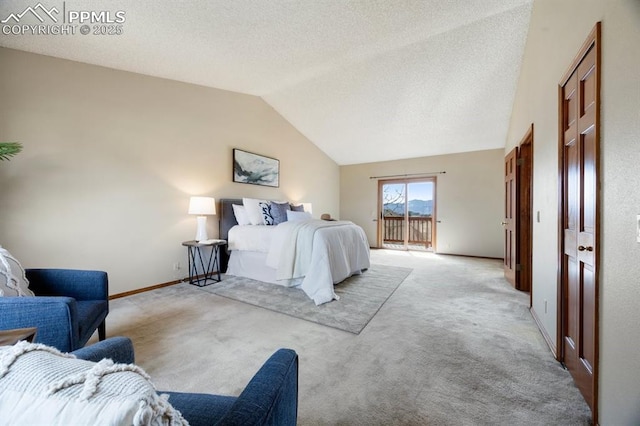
{"points": [[227, 218], [227, 221]]}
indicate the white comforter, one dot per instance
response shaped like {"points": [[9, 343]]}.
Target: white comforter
{"points": [[324, 253]]}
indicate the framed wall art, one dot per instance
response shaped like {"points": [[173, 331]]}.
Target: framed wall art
{"points": [[255, 169]]}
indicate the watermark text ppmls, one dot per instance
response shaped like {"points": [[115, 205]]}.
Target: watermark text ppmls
{"points": [[62, 18]]}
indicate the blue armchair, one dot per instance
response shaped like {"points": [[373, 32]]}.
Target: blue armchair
{"points": [[270, 397], [68, 308]]}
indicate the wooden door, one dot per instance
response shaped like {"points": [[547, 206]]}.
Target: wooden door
{"points": [[579, 147], [510, 215], [517, 223]]}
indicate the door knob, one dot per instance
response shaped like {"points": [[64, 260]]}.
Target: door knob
{"points": [[503, 223], [583, 248]]}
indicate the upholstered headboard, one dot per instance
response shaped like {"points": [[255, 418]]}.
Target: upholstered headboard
{"points": [[227, 221], [227, 218]]}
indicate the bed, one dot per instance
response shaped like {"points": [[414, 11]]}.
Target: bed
{"points": [[310, 254]]}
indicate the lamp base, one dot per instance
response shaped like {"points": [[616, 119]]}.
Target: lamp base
{"points": [[201, 231]]}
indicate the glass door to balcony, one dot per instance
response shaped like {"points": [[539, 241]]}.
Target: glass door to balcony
{"points": [[407, 210]]}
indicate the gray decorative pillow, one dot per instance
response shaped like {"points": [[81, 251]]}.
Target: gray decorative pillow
{"points": [[298, 208], [267, 216], [13, 281], [279, 212]]}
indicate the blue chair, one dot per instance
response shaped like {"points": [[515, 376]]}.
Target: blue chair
{"points": [[68, 308], [270, 397]]}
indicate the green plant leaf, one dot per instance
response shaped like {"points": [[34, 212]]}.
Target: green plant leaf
{"points": [[9, 149]]}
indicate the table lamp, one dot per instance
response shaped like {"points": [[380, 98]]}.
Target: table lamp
{"points": [[202, 206]]}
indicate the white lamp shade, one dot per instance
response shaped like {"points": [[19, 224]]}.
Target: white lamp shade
{"points": [[202, 206]]}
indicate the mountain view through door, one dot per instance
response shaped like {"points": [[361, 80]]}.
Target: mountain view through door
{"points": [[407, 213]]}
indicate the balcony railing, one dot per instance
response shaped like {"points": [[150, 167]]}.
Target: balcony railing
{"points": [[420, 230]]}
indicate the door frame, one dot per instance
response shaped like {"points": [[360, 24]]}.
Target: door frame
{"points": [[406, 181], [592, 41], [524, 279]]}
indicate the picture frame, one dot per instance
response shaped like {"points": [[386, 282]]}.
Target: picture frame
{"points": [[255, 169]]}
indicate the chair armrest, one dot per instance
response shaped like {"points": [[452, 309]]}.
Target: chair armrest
{"points": [[271, 397], [54, 317], [119, 349], [79, 284]]}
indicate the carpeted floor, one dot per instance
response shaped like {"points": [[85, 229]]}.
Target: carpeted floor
{"points": [[453, 345], [361, 296]]}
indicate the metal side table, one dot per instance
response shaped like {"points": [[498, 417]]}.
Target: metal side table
{"points": [[197, 259]]}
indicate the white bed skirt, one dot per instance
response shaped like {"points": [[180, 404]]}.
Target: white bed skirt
{"points": [[252, 264]]}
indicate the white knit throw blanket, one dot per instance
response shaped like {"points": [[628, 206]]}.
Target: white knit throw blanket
{"points": [[40, 385]]}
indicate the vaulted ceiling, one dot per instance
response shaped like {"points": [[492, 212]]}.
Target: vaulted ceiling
{"points": [[364, 80]]}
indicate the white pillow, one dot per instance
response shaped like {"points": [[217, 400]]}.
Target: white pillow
{"points": [[40, 385], [252, 206], [298, 216], [13, 281], [240, 212]]}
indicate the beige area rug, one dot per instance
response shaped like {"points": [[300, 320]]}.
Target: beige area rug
{"points": [[361, 297]]}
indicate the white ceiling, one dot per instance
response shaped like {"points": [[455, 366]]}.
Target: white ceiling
{"points": [[365, 80]]}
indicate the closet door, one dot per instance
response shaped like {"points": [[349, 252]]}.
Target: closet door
{"points": [[579, 97]]}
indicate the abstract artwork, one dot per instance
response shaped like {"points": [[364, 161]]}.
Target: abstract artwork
{"points": [[255, 169]]}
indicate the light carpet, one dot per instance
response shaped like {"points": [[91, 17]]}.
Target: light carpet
{"points": [[361, 297], [453, 345]]}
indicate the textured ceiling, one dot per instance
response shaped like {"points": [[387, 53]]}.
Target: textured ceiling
{"points": [[364, 80]]}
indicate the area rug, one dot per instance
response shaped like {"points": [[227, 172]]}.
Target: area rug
{"points": [[361, 296]]}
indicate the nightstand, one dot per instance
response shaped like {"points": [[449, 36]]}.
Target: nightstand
{"points": [[197, 259]]}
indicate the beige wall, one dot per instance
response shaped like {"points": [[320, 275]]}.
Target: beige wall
{"points": [[110, 159], [469, 198], [556, 33]]}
